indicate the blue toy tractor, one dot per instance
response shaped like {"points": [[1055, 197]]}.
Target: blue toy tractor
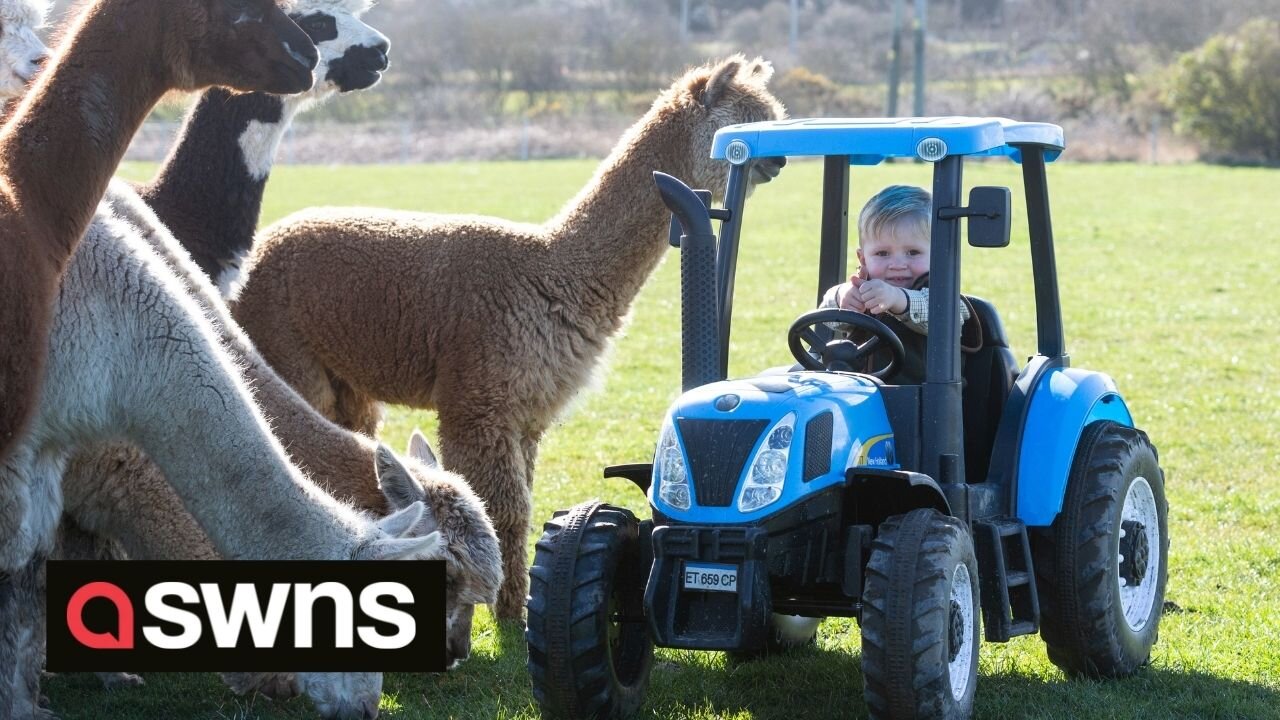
{"points": [[1024, 496]]}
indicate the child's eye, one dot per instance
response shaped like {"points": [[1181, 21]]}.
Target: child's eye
{"points": [[882, 253]]}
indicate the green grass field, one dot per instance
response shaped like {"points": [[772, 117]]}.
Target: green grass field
{"points": [[1168, 280]]}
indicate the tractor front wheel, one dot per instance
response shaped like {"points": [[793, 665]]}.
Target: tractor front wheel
{"points": [[920, 619], [590, 652], [1101, 567]]}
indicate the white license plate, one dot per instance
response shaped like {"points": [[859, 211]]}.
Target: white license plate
{"points": [[712, 577]]}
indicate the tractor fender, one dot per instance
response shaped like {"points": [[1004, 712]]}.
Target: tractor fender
{"points": [[879, 494], [1063, 402]]}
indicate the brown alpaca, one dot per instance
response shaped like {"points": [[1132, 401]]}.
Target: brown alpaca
{"points": [[63, 142], [495, 324]]}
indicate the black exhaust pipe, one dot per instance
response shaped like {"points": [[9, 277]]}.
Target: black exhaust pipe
{"points": [[699, 301]]}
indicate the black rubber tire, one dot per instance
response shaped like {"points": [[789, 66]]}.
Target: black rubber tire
{"points": [[586, 570], [908, 619], [1077, 558]]}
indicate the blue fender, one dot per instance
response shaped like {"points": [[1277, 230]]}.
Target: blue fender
{"points": [[1064, 401]]}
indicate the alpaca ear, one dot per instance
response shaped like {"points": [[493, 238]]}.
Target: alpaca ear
{"points": [[721, 77], [397, 485], [428, 547], [761, 70], [402, 521], [420, 449]]}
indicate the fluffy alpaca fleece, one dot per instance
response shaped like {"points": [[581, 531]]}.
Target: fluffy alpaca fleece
{"points": [[209, 189], [132, 357], [494, 324], [115, 490], [64, 140]]}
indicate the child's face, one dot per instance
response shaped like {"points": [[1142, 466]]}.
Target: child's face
{"points": [[897, 254]]}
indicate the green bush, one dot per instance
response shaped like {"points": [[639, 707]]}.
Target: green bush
{"points": [[1227, 93]]}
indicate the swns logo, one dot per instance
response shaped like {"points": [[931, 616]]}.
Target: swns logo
{"points": [[307, 616]]}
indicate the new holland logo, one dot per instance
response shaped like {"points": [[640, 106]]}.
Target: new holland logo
{"points": [[246, 616]]}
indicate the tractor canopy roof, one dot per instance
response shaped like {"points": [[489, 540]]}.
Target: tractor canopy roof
{"points": [[868, 141]]}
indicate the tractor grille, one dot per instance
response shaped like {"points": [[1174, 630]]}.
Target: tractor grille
{"points": [[817, 446], [717, 451]]}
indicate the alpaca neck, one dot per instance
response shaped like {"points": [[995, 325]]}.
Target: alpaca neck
{"points": [[64, 141], [614, 233], [239, 485], [209, 189], [340, 461]]}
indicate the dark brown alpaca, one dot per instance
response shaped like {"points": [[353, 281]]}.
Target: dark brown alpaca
{"points": [[63, 142], [496, 325]]}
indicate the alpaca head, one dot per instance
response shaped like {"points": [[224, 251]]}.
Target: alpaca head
{"points": [[247, 45], [21, 51], [473, 562], [352, 54], [711, 97]]}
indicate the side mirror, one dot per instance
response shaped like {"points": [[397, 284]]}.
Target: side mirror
{"points": [[988, 214]]}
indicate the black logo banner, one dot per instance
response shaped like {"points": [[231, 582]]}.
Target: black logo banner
{"points": [[246, 616]]}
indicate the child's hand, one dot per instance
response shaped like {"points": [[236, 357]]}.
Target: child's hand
{"points": [[879, 297], [849, 296]]}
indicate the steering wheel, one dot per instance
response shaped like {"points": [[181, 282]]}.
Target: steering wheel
{"points": [[842, 354]]}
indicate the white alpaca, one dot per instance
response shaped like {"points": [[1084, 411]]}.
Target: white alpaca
{"points": [[21, 50]]}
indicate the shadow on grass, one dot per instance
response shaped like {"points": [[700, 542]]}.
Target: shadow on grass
{"points": [[818, 684], [808, 684]]}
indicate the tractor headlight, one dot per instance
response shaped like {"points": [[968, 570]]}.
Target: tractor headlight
{"points": [[672, 476], [769, 468]]}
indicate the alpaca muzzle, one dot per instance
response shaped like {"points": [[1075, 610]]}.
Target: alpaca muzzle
{"points": [[360, 67]]}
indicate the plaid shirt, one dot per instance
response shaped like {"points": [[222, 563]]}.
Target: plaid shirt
{"points": [[917, 315]]}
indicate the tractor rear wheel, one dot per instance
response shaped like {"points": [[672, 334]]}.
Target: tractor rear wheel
{"points": [[920, 619], [1101, 567], [590, 652]]}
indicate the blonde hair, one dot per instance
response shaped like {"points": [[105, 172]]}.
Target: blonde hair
{"points": [[893, 205]]}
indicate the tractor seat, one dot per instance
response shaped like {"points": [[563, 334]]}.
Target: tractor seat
{"points": [[989, 374]]}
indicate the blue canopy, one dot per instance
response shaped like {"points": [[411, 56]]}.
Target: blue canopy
{"points": [[868, 141]]}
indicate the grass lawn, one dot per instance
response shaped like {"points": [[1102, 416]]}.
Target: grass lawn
{"points": [[1168, 278]]}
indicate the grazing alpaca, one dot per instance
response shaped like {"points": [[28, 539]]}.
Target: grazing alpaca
{"points": [[55, 163], [132, 356], [116, 492], [209, 189], [494, 324]]}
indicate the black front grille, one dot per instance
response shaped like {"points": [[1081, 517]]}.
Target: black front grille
{"points": [[817, 446], [717, 451]]}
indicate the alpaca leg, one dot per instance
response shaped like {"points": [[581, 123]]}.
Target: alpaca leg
{"points": [[490, 456], [75, 543], [30, 506], [356, 411], [287, 354], [529, 444], [22, 642]]}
